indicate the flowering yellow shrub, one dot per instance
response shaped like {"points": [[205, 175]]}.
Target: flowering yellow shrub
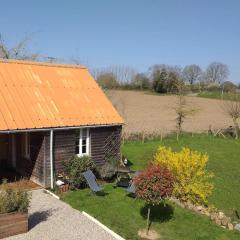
{"points": [[189, 168]]}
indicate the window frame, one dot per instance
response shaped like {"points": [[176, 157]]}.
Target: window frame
{"points": [[80, 142]]}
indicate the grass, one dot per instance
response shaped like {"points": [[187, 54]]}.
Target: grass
{"points": [[126, 216], [224, 162], [218, 95]]}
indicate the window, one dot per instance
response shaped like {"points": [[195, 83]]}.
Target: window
{"points": [[26, 145], [82, 142]]}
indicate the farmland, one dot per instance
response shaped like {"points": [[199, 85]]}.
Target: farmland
{"points": [[148, 113]]}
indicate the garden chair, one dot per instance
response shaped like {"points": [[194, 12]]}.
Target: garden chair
{"points": [[91, 181], [131, 187]]}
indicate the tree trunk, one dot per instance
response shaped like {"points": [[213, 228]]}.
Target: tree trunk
{"points": [[148, 216]]}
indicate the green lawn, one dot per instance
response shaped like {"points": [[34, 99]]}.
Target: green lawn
{"points": [[218, 95], [224, 162], [126, 215]]}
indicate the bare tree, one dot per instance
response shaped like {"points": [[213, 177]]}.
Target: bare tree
{"points": [[232, 109], [217, 72], [182, 110], [124, 74], [19, 51], [192, 73]]}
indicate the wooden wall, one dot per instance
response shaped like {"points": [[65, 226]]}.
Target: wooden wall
{"points": [[34, 167], [4, 148], [64, 145], [104, 144]]}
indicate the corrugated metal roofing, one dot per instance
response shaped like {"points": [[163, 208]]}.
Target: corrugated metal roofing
{"points": [[41, 95]]}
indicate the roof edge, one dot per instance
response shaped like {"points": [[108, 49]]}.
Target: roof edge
{"points": [[59, 128], [16, 61]]}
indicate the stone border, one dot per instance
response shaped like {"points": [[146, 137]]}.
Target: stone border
{"points": [[218, 217], [51, 193], [115, 235]]}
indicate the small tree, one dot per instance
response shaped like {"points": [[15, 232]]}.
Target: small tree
{"points": [[232, 108], [183, 110], [153, 185]]}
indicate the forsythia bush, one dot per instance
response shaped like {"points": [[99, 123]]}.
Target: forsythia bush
{"points": [[189, 168]]}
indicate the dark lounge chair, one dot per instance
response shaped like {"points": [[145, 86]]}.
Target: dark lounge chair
{"points": [[91, 181], [131, 188]]}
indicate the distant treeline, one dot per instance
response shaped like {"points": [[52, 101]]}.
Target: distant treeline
{"points": [[162, 78]]}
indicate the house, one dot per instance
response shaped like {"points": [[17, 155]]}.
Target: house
{"points": [[50, 112]]}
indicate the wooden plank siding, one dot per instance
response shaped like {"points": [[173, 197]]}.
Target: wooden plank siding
{"points": [[64, 144], [100, 139], [64, 147], [33, 167], [104, 144]]}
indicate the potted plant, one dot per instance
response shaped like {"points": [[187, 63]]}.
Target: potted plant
{"points": [[62, 182], [14, 205]]}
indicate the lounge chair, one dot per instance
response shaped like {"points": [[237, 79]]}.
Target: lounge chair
{"points": [[91, 181], [131, 187]]}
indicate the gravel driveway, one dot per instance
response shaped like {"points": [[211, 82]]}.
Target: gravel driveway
{"points": [[50, 218]]}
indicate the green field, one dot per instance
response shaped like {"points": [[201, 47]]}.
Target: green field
{"points": [[219, 95], [125, 215]]}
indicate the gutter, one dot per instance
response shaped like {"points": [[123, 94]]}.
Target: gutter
{"points": [[59, 128]]}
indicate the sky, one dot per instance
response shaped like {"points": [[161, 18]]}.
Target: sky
{"points": [[138, 33]]}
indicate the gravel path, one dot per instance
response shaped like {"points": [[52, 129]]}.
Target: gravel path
{"points": [[50, 218]]}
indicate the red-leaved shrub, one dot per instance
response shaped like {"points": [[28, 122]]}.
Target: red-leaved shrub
{"points": [[154, 184]]}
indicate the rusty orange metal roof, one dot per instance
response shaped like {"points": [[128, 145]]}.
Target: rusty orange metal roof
{"points": [[40, 95]]}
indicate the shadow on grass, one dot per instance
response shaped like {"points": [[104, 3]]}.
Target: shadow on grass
{"points": [[129, 164], [159, 213], [101, 194], [131, 195], [97, 194]]}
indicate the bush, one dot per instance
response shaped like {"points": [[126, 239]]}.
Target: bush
{"points": [[74, 169], [14, 200], [107, 80], [154, 184], [189, 167], [107, 171], [228, 87]]}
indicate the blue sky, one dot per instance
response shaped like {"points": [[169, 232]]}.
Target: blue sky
{"points": [[138, 33]]}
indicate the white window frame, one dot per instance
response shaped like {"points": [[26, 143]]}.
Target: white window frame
{"points": [[27, 145], [80, 154]]}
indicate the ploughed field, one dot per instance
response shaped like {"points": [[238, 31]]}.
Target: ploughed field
{"points": [[149, 113]]}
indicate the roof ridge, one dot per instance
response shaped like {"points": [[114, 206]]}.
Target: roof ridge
{"points": [[16, 61]]}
